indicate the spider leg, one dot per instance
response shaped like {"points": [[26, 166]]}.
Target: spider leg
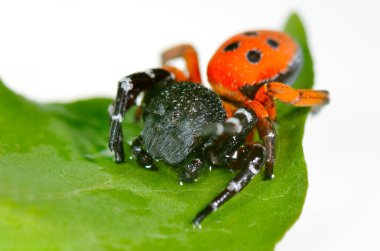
{"points": [[288, 95], [128, 89], [189, 54], [228, 136], [267, 134], [229, 108], [234, 131], [179, 75], [143, 157], [250, 157], [190, 171], [119, 155]]}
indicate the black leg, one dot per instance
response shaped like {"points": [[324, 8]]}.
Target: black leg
{"points": [[119, 151], [143, 158], [251, 158], [128, 89], [268, 135], [229, 136], [190, 171]]}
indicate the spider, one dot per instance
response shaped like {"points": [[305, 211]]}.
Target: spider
{"points": [[188, 126]]}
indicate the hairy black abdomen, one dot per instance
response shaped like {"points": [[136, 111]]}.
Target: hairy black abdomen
{"points": [[175, 117]]}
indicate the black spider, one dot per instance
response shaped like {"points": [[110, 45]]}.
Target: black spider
{"points": [[185, 126]]}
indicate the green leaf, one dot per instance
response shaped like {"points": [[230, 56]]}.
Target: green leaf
{"points": [[61, 190]]}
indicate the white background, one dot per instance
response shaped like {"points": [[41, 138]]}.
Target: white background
{"points": [[64, 50]]}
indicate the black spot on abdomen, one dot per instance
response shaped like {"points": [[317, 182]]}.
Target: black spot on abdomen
{"points": [[272, 43], [254, 56], [251, 33], [232, 46]]}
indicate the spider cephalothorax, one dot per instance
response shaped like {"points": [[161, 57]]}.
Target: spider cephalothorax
{"points": [[189, 126]]}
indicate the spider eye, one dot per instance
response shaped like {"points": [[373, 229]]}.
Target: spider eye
{"points": [[273, 43], [232, 46], [254, 56]]}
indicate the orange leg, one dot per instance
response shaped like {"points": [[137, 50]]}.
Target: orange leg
{"points": [[188, 53], [288, 95], [229, 108], [267, 101], [178, 74], [266, 132]]}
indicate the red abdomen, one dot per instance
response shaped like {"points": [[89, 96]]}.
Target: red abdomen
{"points": [[252, 58]]}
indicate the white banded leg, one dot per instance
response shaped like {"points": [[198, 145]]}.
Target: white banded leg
{"points": [[129, 88], [244, 119], [229, 136], [268, 134], [251, 158]]}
